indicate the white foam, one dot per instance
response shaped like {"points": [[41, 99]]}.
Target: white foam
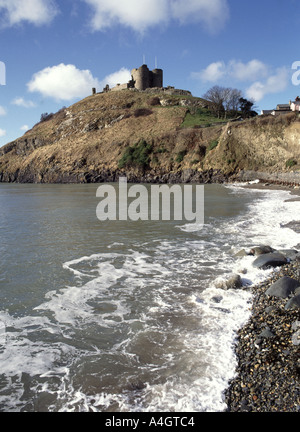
{"points": [[152, 313]]}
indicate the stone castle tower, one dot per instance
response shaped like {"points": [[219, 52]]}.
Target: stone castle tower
{"points": [[143, 78]]}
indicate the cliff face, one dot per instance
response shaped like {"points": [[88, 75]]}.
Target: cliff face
{"points": [[87, 141], [263, 147]]}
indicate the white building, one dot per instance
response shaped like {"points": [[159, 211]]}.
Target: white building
{"points": [[295, 106]]}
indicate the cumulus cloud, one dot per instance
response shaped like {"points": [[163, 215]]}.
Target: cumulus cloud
{"points": [[37, 12], [213, 73], [2, 133], [2, 111], [23, 103], [251, 71], [212, 13], [133, 13], [140, 15], [63, 82], [264, 80], [24, 128], [120, 77], [67, 82], [275, 83]]}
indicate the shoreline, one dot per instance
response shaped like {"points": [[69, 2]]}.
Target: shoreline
{"points": [[268, 373], [268, 346]]}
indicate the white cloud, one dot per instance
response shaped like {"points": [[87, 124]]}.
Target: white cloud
{"points": [[140, 15], [24, 128], [212, 13], [136, 14], [2, 111], [274, 84], [37, 12], [120, 77], [66, 82], [2, 132], [265, 81], [251, 71], [63, 82], [23, 103], [213, 73]]}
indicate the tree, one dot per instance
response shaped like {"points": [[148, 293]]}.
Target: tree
{"points": [[234, 99], [215, 95], [223, 100], [246, 108]]}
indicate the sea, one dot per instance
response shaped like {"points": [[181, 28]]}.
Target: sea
{"points": [[127, 316]]}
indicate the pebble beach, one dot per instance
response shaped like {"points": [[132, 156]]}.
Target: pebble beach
{"points": [[268, 349]]}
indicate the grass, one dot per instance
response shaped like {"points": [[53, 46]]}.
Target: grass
{"points": [[213, 145], [180, 156], [290, 163], [136, 156], [201, 117]]}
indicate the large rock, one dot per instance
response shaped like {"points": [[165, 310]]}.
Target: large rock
{"points": [[290, 254], [261, 250], [234, 282], [270, 260], [283, 288], [293, 303]]}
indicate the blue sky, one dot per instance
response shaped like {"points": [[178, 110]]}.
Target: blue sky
{"points": [[54, 51]]}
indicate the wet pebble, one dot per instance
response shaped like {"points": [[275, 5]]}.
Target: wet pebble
{"points": [[268, 374]]}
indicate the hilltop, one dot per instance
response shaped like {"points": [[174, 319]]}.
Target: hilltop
{"points": [[149, 136]]}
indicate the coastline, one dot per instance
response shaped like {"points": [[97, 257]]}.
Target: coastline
{"points": [[268, 346]]}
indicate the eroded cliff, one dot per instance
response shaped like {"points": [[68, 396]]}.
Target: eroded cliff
{"points": [[140, 135]]}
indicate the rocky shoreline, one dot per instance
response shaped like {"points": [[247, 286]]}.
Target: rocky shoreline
{"points": [[268, 346], [158, 176]]}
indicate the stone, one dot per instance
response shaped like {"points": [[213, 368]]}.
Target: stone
{"points": [[296, 338], [270, 260], [283, 288], [241, 254], [234, 282], [266, 334], [290, 254], [261, 250], [293, 303]]}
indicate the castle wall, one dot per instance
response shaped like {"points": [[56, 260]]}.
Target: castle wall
{"points": [[144, 78], [120, 87], [157, 78], [141, 77]]}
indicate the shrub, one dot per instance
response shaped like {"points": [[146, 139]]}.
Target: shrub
{"points": [[138, 155], [161, 150], [46, 117], [142, 112], [202, 151], [180, 156], [290, 163], [154, 101]]}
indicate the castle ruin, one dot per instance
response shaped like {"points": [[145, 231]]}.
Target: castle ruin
{"points": [[143, 79]]}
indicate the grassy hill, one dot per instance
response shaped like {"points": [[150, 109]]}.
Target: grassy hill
{"points": [[147, 137]]}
